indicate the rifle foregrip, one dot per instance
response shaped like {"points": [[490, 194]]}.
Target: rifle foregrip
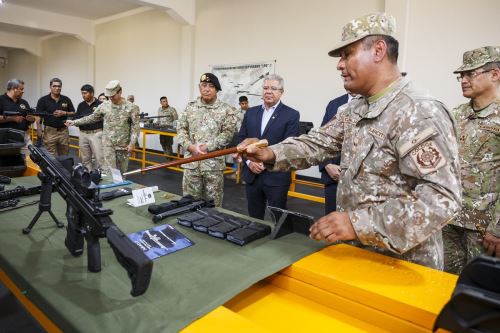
{"points": [[93, 253], [139, 267]]}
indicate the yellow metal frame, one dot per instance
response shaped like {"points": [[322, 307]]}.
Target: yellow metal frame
{"points": [[293, 193]]}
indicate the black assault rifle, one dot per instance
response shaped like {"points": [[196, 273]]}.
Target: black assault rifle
{"points": [[25, 112], [88, 219]]}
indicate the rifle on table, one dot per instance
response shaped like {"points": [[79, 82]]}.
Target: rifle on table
{"points": [[19, 191], [217, 153], [88, 220]]}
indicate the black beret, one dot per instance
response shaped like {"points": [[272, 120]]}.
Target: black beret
{"points": [[210, 78]]}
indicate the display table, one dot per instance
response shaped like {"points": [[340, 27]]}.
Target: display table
{"points": [[185, 285]]}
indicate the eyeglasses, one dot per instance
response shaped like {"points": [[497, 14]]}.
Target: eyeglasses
{"points": [[271, 88], [470, 75]]}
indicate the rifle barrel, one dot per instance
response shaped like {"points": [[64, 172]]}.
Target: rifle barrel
{"points": [[217, 153]]}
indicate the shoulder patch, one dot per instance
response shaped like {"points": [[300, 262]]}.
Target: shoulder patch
{"points": [[428, 157], [405, 147]]}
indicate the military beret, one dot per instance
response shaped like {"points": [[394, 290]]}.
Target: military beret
{"points": [[368, 25], [112, 88], [479, 57], [210, 78]]}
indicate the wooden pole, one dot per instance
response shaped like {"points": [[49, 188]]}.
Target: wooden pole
{"points": [[217, 153]]}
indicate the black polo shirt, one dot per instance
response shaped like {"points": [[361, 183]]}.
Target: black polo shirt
{"points": [[21, 105], [83, 110], [49, 105]]}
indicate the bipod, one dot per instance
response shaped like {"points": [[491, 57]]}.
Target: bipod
{"points": [[44, 205]]}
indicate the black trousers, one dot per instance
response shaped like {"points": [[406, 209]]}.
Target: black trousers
{"points": [[330, 198], [259, 196]]}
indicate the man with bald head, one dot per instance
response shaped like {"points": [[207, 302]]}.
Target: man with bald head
{"points": [[399, 182]]}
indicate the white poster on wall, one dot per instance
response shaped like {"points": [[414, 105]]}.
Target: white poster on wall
{"points": [[242, 80]]}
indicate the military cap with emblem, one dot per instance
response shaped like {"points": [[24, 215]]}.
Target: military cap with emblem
{"points": [[211, 78], [479, 57], [112, 88], [368, 25]]}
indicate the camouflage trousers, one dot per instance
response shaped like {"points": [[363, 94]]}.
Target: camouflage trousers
{"points": [[56, 140], [208, 185], [116, 158], [461, 245], [166, 143], [91, 149]]}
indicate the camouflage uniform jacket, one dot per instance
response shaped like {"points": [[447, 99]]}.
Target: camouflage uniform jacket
{"points": [[212, 124], [121, 123], [169, 116], [479, 147], [400, 178]]}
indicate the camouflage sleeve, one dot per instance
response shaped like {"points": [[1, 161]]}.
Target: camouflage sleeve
{"points": [[135, 127], [174, 113], [94, 117], [309, 149], [183, 130], [427, 156], [227, 131], [160, 121]]}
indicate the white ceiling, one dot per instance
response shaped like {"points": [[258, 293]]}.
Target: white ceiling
{"points": [[88, 9]]}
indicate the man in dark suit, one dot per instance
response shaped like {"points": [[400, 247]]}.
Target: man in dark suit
{"points": [[330, 169], [273, 121]]}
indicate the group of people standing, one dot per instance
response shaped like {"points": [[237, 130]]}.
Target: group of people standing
{"points": [[408, 170]]}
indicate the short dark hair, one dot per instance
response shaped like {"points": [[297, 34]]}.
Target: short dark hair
{"points": [[55, 80], [102, 94], [163, 97], [392, 45], [14, 83], [88, 88], [243, 99]]}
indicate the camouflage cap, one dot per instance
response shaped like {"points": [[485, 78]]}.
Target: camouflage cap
{"points": [[112, 88], [368, 25], [479, 57]]}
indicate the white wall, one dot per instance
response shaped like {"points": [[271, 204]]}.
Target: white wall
{"points": [[24, 66], [438, 35], [143, 52], [70, 60]]}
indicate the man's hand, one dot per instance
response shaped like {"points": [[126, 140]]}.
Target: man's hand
{"points": [[333, 171], [130, 148], [69, 123], [30, 118], [333, 227], [17, 119], [59, 113], [198, 149], [492, 245], [254, 153], [256, 167]]}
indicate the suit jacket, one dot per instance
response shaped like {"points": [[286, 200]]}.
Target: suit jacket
{"points": [[283, 124], [331, 111]]}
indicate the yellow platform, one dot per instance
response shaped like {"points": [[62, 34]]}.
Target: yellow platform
{"points": [[338, 289]]}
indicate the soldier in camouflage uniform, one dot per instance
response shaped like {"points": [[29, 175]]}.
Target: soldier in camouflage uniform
{"points": [[400, 178], [169, 115], [120, 128], [206, 125], [476, 230]]}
